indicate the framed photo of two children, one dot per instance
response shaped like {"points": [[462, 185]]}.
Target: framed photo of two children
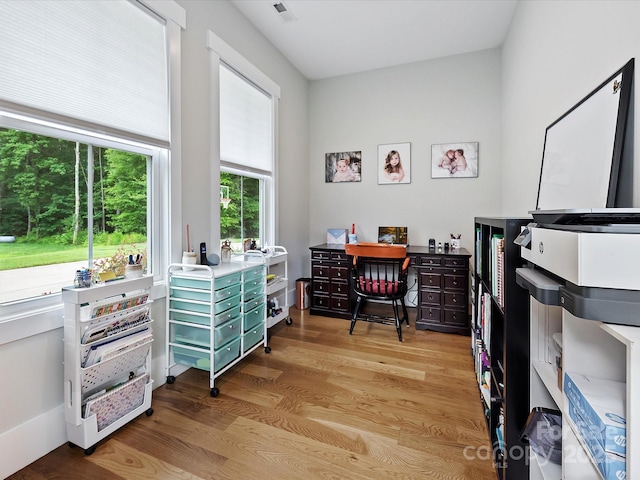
{"points": [[454, 160]]}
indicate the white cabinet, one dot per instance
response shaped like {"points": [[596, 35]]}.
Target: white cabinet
{"points": [[593, 348], [277, 285], [216, 316], [107, 358]]}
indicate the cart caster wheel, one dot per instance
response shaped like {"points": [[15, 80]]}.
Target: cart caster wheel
{"points": [[149, 412], [267, 349], [289, 321], [90, 450], [171, 379], [215, 392]]}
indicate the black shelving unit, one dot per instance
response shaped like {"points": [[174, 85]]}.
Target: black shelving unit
{"points": [[507, 348]]}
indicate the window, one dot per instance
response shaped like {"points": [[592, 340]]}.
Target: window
{"points": [[91, 98], [247, 102], [67, 204]]}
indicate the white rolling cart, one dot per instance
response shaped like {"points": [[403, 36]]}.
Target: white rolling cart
{"points": [[107, 358], [277, 285], [216, 315]]}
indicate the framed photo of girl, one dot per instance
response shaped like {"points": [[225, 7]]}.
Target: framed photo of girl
{"points": [[454, 160], [394, 163]]}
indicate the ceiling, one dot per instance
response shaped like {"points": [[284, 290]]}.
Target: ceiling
{"points": [[327, 38]]}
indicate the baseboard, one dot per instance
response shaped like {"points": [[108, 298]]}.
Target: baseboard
{"points": [[31, 440]]}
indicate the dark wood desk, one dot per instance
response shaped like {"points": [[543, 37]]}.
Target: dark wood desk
{"points": [[443, 286]]}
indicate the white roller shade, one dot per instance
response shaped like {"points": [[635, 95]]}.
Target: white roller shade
{"points": [[101, 62], [246, 122]]}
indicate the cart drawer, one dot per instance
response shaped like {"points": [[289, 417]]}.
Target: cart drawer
{"points": [[190, 306], [251, 304], [227, 331], [200, 284], [225, 293], [253, 317], [253, 336], [189, 294], [226, 315], [199, 337], [254, 275], [192, 358], [227, 281], [227, 354], [223, 305], [202, 319], [252, 293]]}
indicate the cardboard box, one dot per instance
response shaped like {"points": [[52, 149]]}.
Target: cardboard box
{"points": [[611, 466], [337, 236], [601, 406]]}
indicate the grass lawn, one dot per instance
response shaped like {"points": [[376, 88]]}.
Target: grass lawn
{"points": [[21, 255]]}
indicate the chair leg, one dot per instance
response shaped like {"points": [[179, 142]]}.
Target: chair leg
{"points": [[397, 317], [354, 316], [404, 311]]}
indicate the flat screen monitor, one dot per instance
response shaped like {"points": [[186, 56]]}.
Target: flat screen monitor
{"points": [[583, 148]]}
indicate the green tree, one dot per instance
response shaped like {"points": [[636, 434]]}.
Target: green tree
{"points": [[126, 191], [33, 182]]}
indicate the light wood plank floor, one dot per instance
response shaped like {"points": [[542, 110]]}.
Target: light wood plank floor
{"points": [[322, 405]]}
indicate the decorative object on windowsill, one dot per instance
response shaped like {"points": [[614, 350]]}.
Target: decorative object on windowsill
{"points": [[225, 200], [82, 278], [225, 252]]}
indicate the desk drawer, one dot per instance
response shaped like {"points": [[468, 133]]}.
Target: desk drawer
{"points": [[226, 354], [321, 301], [227, 292], [434, 261], [321, 270], [321, 286], [456, 262], [430, 297], [431, 280], [340, 304], [456, 318], [429, 314], [339, 273], [340, 289], [453, 299], [455, 282]]}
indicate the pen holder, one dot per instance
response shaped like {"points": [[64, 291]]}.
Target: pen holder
{"points": [[188, 258], [353, 238], [133, 271]]}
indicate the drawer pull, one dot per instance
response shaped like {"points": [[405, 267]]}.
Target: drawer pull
{"points": [[455, 300]]}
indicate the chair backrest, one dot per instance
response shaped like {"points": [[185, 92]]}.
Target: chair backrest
{"points": [[379, 269]]}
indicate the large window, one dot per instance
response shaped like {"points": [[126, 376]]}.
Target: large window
{"points": [[85, 133], [68, 204], [247, 128]]}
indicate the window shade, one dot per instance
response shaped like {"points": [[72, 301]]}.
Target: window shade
{"points": [[246, 125], [102, 62]]}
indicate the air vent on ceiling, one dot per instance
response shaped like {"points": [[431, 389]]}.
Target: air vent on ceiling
{"points": [[284, 12]]}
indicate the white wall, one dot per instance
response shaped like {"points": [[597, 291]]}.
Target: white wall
{"points": [[453, 99], [32, 419], [555, 54]]}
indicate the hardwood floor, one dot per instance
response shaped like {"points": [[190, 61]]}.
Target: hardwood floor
{"points": [[322, 405]]}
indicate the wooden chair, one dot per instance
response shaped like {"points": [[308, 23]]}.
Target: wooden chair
{"points": [[379, 273]]}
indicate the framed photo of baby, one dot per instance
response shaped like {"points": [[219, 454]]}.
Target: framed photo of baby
{"points": [[342, 167], [394, 163], [454, 160]]}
